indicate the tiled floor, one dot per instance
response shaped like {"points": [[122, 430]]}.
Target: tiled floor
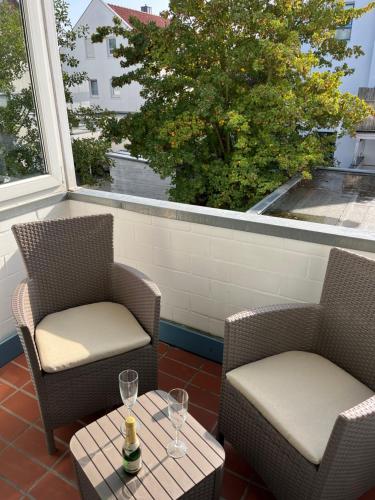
{"points": [[27, 471]]}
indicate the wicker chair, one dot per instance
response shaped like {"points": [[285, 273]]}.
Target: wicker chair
{"points": [[341, 330], [70, 264]]}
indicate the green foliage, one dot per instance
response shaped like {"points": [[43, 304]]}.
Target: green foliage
{"points": [[92, 165], [233, 101]]}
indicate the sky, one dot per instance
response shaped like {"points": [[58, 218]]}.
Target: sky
{"points": [[76, 7]]}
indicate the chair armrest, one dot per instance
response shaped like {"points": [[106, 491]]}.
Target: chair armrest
{"points": [[139, 294], [266, 331], [25, 321], [349, 456]]}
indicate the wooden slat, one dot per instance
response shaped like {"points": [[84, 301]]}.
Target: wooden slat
{"points": [[194, 425], [95, 478], [194, 451], [152, 460], [154, 437], [95, 454], [193, 431], [98, 451], [144, 476]]}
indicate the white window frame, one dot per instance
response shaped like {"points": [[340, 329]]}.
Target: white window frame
{"points": [[108, 47], [95, 96], [113, 95], [45, 71]]}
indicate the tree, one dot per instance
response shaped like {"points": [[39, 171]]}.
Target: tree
{"points": [[234, 101], [21, 151]]}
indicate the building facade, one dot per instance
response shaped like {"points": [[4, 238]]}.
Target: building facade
{"points": [[100, 65], [361, 32]]}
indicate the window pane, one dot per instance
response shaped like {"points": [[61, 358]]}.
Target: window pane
{"points": [[94, 88], [343, 33], [111, 45], [21, 151]]}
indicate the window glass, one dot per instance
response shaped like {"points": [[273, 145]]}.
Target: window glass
{"points": [[90, 48], [345, 32], [21, 150], [115, 91], [94, 88], [111, 45]]}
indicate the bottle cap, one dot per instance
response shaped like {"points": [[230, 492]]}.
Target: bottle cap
{"points": [[129, 421]]}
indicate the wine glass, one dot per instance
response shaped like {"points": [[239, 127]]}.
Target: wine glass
{"points": [[177, 410], [128, 383]]}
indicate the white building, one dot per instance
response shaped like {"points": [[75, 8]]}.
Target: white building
{"points": [[100, 65], [361, 32]]}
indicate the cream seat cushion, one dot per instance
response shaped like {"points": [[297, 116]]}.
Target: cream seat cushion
{"points": [[84, 334], [301, 394]]}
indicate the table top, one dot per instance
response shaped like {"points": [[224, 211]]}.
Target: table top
{"points": [[97, 449]]}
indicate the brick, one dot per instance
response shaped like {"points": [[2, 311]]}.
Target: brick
{"points": [[175, 225], [191, 319], [194, 244], [152, 235], [174, 260], [317, 268], [302, 290]]}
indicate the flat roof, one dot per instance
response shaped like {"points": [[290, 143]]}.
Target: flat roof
{"points": [[337, 198]]}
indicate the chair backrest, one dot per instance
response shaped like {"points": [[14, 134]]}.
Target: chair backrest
{"points": [[68, 261], [347, 335]]}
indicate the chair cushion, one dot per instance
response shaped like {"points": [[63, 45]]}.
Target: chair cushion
{"points": [[84, 334], [301, 394]]}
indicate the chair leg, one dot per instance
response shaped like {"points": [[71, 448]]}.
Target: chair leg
{"points": [[50, 441]]}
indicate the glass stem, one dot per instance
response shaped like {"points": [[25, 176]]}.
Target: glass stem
{"points": [[176, 437]]}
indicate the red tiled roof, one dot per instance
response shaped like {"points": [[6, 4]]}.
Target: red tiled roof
{"points": [[144, 17]]}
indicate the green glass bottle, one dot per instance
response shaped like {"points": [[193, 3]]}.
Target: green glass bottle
{"points": [[131, 450]]}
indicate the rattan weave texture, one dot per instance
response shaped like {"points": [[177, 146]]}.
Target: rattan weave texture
{"points": [[70, 263], [341, 328]]}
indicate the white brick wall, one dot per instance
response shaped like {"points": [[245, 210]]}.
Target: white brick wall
{"points": [[206, 273], [12, 269]]}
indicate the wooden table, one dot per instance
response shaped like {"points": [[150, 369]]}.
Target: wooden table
{"points": [[96, 450]]}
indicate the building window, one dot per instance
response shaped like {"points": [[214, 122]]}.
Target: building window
{"points": [[115, 91], [345, 32], [90, 49], [21, 144], [94, 88], [111, 45]]}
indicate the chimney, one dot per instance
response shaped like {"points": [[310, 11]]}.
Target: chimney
{"points": [[146, 9]]}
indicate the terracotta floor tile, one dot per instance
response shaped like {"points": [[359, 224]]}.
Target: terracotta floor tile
{"points": [[14, 374], [212, 368], [167, 382], [208, 382], [176, 369], [7, 492], [51, 486], [19, 469], [21, 360], [370, 495], [23, 405], [10, 426], [65, 468], [233, 487], [29, 387], [185, 357], [203, 398], [5, 390], [163, 347], [33, 443], [66, 432], [236, 463], [205, 418]]}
